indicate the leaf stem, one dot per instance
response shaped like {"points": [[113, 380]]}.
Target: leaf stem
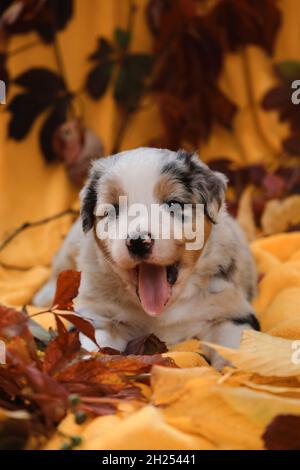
{"points": [[125, 113], [60, 60], [125, 119], [62, 71]]}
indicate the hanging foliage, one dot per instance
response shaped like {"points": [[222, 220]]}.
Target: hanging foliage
{"points": [[46, 17], [132, 69], [190, 40], [279, 99]]}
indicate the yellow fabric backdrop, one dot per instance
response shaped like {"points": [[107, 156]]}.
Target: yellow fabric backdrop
{"points": [[31, 190]]}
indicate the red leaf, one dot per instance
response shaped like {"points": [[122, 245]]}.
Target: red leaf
{"points": [[83, 325], [67, 288], [283, 433], [148, 345], [61, 329], [13, 329], [33, 390], [60, 351], [99, 409], [109, 371], [274, 186], [49, 394]]}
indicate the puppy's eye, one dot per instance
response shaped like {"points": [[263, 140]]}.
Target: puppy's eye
{"points": [[173, 204], [114, 211]]}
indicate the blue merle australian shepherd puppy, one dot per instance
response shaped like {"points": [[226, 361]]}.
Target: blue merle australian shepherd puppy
{"points": [[140, 282]]}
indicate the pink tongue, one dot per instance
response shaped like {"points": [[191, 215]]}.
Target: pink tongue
{"points": [[153, 287]]}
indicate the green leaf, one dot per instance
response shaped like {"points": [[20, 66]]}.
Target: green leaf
{"points": [[41, 81], [98, 79], [25, 109], [103, 51], [289, 70], [130, 82], [122, 37], [55, 118]]}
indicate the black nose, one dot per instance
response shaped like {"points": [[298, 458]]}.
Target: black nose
{"points": [[141, 245]]}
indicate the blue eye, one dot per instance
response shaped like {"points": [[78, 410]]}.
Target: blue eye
{"points": [[173, 204], [111, 212]]}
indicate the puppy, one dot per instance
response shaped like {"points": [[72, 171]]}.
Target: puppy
{"points": [[141, 283]]}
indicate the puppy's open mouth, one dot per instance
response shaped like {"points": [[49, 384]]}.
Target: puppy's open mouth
{"points": [[154, 286]]}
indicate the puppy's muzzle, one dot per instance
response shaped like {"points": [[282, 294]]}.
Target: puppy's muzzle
{"points": [[140, 245]]}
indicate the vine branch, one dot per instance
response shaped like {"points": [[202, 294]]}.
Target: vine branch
{"points": [[27, 225], [125, 113], [24, 47]]}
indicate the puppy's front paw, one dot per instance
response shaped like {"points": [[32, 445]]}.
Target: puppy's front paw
{"points": [[104, 340], [45, 296], [218, 362]]}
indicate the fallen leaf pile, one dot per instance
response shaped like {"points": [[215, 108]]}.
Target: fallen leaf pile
{"points": [[265, 202], [41, 383], [55, 395]]}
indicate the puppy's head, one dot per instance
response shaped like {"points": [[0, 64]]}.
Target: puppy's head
{"points": [[138, 205]]}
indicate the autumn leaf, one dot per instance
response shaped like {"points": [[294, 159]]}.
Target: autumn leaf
{"points": [[132, 69], [42, 90], [122, 37], [82, 325], [110, 376], [130, 82], [98, 79], [279, 98], [262, 354], [61, 351], [239, 23], [47, 385], [67, 286], [66, 289], [14, 429], [195, 38], [14, 329], [268, 189], [46, 17], [147, 345], [283, 433]]}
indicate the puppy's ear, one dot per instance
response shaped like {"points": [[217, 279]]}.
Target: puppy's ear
{"points": [[210, 186], [216, 185], [88, 198]]}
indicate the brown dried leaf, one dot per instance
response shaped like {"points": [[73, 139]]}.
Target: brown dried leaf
{"points": [[60, 352], [147, 345], [283, 433], [83, 325], [67, 287]]}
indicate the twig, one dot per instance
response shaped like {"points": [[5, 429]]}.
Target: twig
{"points": [[27, 225], [132, 11], [14, 268], [24, 47], [126, 114], [60, 60]]}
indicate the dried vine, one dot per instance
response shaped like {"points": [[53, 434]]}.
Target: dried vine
{"points": [[37, 223]]}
